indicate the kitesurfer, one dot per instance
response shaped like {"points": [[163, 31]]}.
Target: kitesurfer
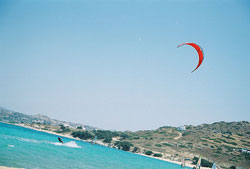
{"points": [[59, 139]]}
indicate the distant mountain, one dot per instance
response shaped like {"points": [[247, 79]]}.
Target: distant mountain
{"points": [[10, 116]]}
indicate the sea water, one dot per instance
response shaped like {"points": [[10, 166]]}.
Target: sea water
{"points": [[26, 148]]}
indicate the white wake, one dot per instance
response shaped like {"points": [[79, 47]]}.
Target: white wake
{"points": [[71, 144]]}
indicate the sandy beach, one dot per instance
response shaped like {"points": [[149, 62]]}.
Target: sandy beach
{"points": [[3, 167]]}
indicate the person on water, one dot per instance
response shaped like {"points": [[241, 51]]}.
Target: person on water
{"points": [[59, 139]]}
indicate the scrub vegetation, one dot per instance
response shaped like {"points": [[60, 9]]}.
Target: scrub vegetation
{"points": [[220, 142]]}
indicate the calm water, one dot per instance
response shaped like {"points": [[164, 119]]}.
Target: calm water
{"points": [[30, 149]]}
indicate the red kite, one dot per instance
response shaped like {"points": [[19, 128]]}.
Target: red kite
{"points": [[198, 49]]}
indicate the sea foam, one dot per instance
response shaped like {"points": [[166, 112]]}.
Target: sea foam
{"points": [[71, 144]]}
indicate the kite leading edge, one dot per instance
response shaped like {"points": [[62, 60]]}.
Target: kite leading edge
{"points": [[199, 51]]}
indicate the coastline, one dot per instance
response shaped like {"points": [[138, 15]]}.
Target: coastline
{"points": [[187, 163], [4, 167]]}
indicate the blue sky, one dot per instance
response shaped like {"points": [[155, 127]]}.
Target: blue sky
{"points": [[115, 65]]}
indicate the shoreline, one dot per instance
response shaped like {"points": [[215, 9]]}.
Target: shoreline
{"points": [[187, 163], [5, 167]]}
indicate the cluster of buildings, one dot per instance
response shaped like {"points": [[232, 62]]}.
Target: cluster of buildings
{"points": [[244, 150]]}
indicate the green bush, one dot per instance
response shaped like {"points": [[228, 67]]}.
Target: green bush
{"points": [[228, 142], [166, 144], [66, 130], [124, 136], [62, 127], [58, 131], [123, 145], [186, 133], [217, 141], [85, 135], [158, 145], [244, 144], [135, 149], [228, 137], [230, 149], [204, 163], [102, 134], [157, 155], [165, 127], [246, 156], [227, 132], [107, 140], [148, 152]]}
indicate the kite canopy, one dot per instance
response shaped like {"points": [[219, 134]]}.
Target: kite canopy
{"points": [[198, 49]]}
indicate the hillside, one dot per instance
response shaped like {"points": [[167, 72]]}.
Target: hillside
{"points": [[220, 142], [10, 116]]}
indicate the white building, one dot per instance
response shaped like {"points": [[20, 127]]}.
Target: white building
{"points": [[181, 128]]}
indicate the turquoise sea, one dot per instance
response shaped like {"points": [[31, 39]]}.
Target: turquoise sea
{"points": [[31, 149]]}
